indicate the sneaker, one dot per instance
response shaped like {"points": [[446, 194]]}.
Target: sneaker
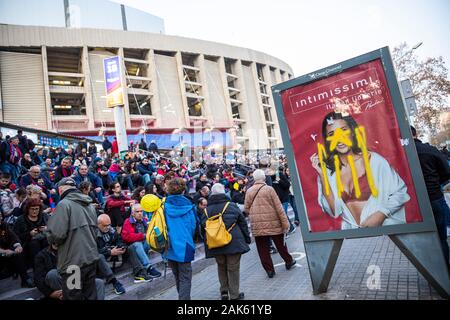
{"points": [[118, 288], [273, 250], [224, 296], [142, 277], [153, 273], [270, 274], [292, 230], [297, 223], [240, 296], [291, 264]]}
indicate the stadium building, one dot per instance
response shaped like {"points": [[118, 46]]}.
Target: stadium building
{"points": [[52, 77]]}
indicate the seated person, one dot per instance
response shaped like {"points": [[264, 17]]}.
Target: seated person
{"points": [[116, 206], [30, 228], [133, 234], [26, 162], [48, 169], [5, 182], [83, 175], [110, 248], [123, 177], [100, 170], [47, 278], [7, 200], [35, 177], [11, 254], [146, 170], [65, 169]]}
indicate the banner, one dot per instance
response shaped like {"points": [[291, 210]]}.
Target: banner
{"points": [[349, 153], [114, 90]]}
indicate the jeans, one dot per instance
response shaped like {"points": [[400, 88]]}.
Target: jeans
{"points": [[99, 197], [294, 207], [285, 207], [441, 212], [104, 269], [146, 178], [182, 272], [141, 249]]}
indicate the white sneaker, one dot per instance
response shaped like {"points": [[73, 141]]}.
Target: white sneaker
{"points": [[448, 231]]}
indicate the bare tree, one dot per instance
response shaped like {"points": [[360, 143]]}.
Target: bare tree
{"points": [[430, 84]]}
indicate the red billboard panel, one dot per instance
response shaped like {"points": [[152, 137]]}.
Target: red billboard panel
{"points": [[349, 153]]}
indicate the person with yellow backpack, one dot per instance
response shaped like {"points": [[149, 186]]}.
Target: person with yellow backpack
{"points": [[227, 237]]}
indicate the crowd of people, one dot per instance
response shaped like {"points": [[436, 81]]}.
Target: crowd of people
{"points": [[64, 210], [82, 207]]}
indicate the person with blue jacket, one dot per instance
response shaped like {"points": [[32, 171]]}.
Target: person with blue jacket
{"points": [[84, 175], [146, 170], [181, 220]]}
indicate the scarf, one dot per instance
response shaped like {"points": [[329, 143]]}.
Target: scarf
{"points": [[15, 154]]}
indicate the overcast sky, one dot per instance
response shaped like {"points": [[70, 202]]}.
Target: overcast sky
{"points": [[309, 35]]}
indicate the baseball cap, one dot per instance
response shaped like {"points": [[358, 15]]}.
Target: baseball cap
{"points": [[67, 182]]}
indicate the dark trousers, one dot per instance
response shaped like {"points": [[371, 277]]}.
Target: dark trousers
{"points": [[104, 269], [182, 272], [228, 267], [85, 288], [262, 245], [32, 248], [440, 212], [15, 264]]}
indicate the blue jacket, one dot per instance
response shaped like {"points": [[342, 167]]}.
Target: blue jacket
{"points": [[145, 169], [181, 220], [42, 182], [92, 178]]}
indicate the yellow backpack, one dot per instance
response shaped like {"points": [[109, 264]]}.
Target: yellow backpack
{"points": [[217, 234], [156, 236]]}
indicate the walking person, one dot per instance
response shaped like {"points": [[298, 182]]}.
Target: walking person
{"points": [[436, 172], [181, 220], [228, 258], [268, 220], [73, 228]]}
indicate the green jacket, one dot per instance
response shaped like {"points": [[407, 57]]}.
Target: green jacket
{"points": [[73, 228]]}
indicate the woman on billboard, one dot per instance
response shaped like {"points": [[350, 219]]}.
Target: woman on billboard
{"points": [[355, 183]]}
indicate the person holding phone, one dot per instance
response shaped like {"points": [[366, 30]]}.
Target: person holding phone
{"points": [[30, 228], [117, 206], [110, 249]]}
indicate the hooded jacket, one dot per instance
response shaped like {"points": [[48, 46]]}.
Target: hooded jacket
{"points": [[73, 228], [181, 220]]}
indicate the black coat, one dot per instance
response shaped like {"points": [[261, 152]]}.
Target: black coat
{"points": [[238, 196], [23, 226], [435, 169], [106, 241], [44, 261], [240, 233], [282, 188], [7, 237]]}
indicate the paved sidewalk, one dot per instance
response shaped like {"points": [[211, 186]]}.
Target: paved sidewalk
{"points": [[398, 279]]}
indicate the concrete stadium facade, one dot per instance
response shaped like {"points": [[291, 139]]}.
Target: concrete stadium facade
{"points": [[52, 78]]}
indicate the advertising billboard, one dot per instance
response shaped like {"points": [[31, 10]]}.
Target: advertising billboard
{"points": [[113, 82], [345, 131]]}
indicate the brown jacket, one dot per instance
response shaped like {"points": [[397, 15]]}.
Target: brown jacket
{"points": [[267, 216]]}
